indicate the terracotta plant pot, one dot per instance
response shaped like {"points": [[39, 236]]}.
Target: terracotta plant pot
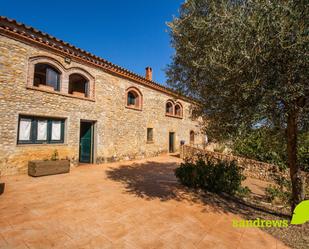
{"points": [[2, 184]]}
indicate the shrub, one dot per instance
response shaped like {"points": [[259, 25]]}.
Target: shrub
{"points": [[218, 177], [262, 144], [219, 148], [281, 192], [269, 145], [55, 156]]}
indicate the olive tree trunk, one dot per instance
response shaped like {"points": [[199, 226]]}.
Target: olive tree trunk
{"points": [[295, 172]]}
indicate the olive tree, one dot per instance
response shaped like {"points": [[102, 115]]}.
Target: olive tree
{"points": [[246, 63]]}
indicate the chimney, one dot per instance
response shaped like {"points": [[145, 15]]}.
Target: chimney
{"points": [[148, 73]]}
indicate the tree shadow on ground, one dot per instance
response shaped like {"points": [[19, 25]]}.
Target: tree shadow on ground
{"points": [[156, 180]]}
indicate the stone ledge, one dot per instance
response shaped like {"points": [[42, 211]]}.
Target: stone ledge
{"points": [[59, 93], [252, 168]]}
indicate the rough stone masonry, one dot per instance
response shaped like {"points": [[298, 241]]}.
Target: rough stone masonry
{"points": [[120, 133]]}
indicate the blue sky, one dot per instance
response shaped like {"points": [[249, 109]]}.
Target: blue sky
{"points": [[132, 34]]}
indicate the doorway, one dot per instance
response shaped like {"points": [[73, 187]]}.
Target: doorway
{"points": [[171, 147], [86, 142]]}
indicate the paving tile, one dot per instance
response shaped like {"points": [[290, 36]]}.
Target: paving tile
{"points": [[91, 242], [255, 238], [173, 240], [89, 209]]}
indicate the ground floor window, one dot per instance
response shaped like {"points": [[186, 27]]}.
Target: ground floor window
{"points": [[149, 134], [40, 130]]}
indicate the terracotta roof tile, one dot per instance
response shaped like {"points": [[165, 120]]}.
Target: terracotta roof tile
{"points": [[22, 31]]}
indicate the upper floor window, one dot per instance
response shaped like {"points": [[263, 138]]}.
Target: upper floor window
{"points": [[51, 75], [78, 85], [173, 109], [169, 108], [178, 110], [46, 76], [133, 98]]}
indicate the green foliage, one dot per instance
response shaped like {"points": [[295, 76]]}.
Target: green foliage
{"points": [[263, 145], [281, 192], [219, 148], [55, 156], [244, 61], [268, 145], [220, 177], [303, 151]]}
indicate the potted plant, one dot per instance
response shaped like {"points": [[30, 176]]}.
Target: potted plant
{"points": [[49, 167]]}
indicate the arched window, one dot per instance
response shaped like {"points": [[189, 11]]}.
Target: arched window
{"points": [[47, 76], [178, 110], [169, 108], [191, 137], [134, 98], [78, 85]]}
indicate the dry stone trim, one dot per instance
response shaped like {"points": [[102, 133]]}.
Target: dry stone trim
{"points": [[252, 168]]}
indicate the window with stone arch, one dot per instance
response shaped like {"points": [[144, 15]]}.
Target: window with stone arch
{"points": [[48, 74], [45, 73], [134, 98], [78, 85], [192, 137], [169, 108], [178, 110]]}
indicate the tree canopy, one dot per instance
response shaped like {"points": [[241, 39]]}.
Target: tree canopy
{"points": [[245, 61]]}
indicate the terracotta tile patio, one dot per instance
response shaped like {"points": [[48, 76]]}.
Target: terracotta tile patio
{"points": [[121, 205]]}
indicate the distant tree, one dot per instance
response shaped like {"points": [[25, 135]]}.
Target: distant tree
{"points": [[246, 62]]}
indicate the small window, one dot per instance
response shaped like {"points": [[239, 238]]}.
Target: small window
{"points": [[178, 110], [78, 85], [169, 108], [46, 75], [191, 137], [134, 98], [38, 130], [149, 134]]}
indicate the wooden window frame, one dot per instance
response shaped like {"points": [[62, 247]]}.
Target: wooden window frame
{"points": [[147, 137], [33, 130], [139, 95]]}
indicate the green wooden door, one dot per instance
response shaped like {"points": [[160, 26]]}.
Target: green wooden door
{"points": [[85, 147], [171, 142]]}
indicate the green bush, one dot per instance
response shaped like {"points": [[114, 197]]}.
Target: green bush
{"points": [[281, 192], [55, 156], [220, 177], [263, 145], [267, 145]]}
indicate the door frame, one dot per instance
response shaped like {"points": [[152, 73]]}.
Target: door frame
{"points": [[93, 144], [169, 141]]}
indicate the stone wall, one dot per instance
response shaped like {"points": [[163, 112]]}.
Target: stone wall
{"points": [[252, 168], [120, 133]]}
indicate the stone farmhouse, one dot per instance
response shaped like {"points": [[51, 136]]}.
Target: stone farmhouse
{"points": [[55, 96]]}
